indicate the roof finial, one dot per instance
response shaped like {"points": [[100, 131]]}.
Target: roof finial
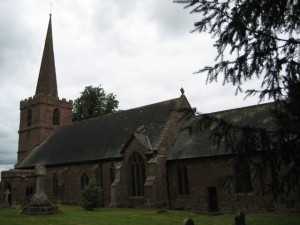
{"points": [[182, 91]]}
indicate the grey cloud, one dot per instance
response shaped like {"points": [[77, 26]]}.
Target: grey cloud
{"points": [[106, 13], [171, 19], [6, 157], [14, 39], [133, 47], [8, 144]]}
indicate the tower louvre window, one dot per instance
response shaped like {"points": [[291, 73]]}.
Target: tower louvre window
{"points": [[29, 117], [56, 117]]}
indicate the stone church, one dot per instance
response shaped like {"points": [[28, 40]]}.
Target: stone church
{"points": [[148, 156]]}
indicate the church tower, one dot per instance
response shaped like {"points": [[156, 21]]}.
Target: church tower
{"points": [[44, 111]]}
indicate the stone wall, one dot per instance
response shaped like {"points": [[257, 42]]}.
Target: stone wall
{"points": [[20, 183], [41, 125], [205, 175]]}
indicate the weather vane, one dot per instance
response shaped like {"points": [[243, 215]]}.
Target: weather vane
{"points": [[51, 8]]}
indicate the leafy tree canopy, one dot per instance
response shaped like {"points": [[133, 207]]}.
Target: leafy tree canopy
{"points": [[258, 39], [94, 102]]}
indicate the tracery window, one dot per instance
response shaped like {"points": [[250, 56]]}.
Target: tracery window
{"points": [[183, 180], [56, 117], [29, 117], [137, 169], [84, 181]]}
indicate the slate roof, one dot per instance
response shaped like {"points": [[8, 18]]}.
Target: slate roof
{"points": [[193, 142], [102, 137]]}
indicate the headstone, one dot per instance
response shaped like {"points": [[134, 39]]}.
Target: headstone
{"points": [[240, 218], [188, 221], [162, 211]]}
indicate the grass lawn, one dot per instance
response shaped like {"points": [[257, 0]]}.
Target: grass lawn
{"points": [[74, 215]]}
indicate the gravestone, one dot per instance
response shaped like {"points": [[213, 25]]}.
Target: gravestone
{"points": [[39, 203], [162, 211], [6, 203], [240, 218], [7, 193], [188, 221]]}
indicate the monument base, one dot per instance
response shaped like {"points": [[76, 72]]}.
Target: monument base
{"points": [[4, 205], [40, 208], [39, 203]]}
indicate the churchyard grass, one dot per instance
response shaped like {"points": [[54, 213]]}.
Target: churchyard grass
{"points": [[74, 215]]}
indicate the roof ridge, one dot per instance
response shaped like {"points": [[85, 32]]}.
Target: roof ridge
{"points": [[164, 101], [239, 108], [125, 110]]}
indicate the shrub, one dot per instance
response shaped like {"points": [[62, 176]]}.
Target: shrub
{"points": [[90, 196]]}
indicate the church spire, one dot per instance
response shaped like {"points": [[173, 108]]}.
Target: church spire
{"points": [[47, 77]]}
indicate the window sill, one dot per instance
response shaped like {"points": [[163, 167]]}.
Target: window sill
{"points": [[244, 194], [136, 197]]}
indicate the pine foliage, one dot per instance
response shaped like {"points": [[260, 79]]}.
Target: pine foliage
{"points": [[258, 39]]}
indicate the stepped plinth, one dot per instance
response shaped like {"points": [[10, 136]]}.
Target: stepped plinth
{"points": [[39, 203]]}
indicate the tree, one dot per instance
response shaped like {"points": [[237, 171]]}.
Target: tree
{"points": [[90, 196], [254, 38], [258, 39], [94, 102]]}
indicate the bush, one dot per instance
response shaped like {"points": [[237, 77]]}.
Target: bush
{"points": [[90, 196]]}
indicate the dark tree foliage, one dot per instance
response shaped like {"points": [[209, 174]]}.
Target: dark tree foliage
{"points": [[258, 39], [94, 102], [254, 38]]}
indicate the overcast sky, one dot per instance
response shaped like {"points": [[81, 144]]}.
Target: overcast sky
{"points": [[142, 51]]}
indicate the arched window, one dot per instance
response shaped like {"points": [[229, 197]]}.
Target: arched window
{"points": [[55, 185], [56, 117], [242, 175], [183, 180], [84, 181], [29, 191], [112, 172], [137, 169], [29, 117]]}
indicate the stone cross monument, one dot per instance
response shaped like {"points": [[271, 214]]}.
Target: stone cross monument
{"points": [[7, 193], [40, 204], [40, 196]]}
